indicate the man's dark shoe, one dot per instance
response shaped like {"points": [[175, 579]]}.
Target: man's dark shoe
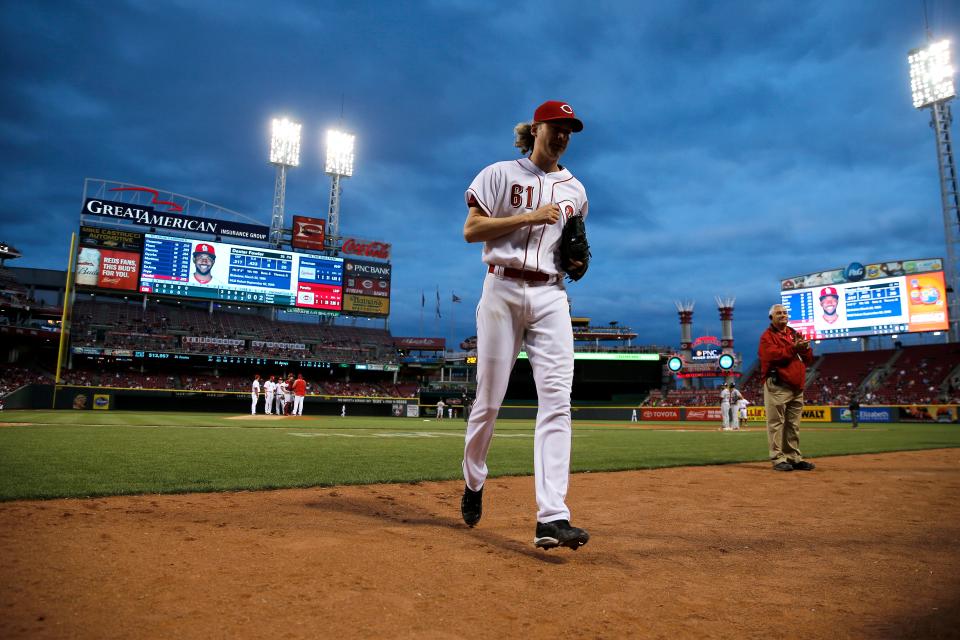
{"points": [[803, 465], [471, 506], [559, 533], [783, 466]]}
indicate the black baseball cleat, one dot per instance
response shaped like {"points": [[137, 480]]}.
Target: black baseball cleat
{"points": [[803, 465], [783, 466], [559, 533], [471, 506]]}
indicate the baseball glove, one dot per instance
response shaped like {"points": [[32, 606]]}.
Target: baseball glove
{"points": [[574, 248]]}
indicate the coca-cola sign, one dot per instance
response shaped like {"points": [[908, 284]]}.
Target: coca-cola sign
{"points": [[356, 247]]}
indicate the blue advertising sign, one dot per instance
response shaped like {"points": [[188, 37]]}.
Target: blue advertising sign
{"points": [[868, 414]]}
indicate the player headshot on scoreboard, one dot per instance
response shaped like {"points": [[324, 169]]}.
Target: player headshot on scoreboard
{"points": [[204, 258], [830, 305]]}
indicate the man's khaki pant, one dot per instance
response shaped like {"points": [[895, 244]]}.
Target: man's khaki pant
{"points": [[784, 407]]}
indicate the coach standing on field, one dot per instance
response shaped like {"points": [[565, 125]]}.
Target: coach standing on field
{"points": [[784, 356]]}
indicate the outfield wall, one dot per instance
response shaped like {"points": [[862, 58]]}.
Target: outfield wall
{"points": [[38, 396], [120, 399]]}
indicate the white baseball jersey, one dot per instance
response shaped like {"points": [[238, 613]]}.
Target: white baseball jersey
{"points": [[508, 188], [269, 387], [725, 396], [255, 387]]}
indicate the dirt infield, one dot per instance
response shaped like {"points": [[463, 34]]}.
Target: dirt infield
{"points": [[863, 547]]}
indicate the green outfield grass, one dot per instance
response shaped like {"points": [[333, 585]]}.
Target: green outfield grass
{"points": [[86, 453]]}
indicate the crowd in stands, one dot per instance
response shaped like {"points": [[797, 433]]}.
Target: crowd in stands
{"points": [[13, 377], [112, 325], [192, 382]]}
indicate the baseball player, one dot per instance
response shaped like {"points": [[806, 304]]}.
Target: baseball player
{"points": [[299, 391], [282, 397], [742, 410], [204, 257], [343, 411], [829, 301], [288, 396], [633, 416], [518, 208], [269, 389], [254, 394], [278, 390], [735, 398], [725, 406], [440, 405]]}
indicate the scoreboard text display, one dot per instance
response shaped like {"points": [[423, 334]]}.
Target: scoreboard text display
{"points": [[904, 304], [233, 273]]}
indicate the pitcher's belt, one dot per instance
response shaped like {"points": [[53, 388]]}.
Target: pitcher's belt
{"points": [[520, 274]]}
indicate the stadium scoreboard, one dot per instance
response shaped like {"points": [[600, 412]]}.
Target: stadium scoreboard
{"points": [[217, 271], [881, 299]]}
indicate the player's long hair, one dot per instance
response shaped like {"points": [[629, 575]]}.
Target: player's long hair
{"points": [[523, 139]]}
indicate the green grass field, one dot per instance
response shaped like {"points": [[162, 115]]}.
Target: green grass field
{"points": [[52, 454]]}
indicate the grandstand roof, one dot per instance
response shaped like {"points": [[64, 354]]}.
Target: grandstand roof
{"points": [[9, 252]]}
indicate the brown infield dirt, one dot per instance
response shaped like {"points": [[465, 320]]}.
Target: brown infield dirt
{"points": [[864, 547]]}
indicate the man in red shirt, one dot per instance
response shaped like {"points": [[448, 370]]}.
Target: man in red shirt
{"points": [[299, 391], [784, 356]]}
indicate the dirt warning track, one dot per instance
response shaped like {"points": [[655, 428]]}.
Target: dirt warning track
{"points": [[865, 546]]}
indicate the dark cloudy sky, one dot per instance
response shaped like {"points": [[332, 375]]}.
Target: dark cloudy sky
{"points": [[727, 144]]}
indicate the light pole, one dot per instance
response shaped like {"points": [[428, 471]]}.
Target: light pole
{"points": [[931, 83], [284, 153], [339, 165]]}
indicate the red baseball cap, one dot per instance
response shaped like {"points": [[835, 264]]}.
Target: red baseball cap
{"points": [[205, 248], [828, 291], [556, 110]]}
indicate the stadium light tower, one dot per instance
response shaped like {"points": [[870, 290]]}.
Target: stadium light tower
{"points": [[931, 83], [284, 153], [339, 165]]}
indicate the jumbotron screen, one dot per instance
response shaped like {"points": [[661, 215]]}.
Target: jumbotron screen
{"points": [[878, 299], [219, 271]]}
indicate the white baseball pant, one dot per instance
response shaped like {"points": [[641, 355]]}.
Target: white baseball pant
{"points": [[253, 404], [736, 417], [268, 404], [725, 412], [298, 405], [512, 311]]}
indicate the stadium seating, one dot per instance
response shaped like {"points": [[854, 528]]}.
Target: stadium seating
{"points": [[839, 375], [110, 324], [922, 374]]}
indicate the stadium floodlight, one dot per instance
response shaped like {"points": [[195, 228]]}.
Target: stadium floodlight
{"points": [[339, 165], [284, 153], [675, 364], [931, 74], [285, 143], [339, 153], [932, 86]]}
